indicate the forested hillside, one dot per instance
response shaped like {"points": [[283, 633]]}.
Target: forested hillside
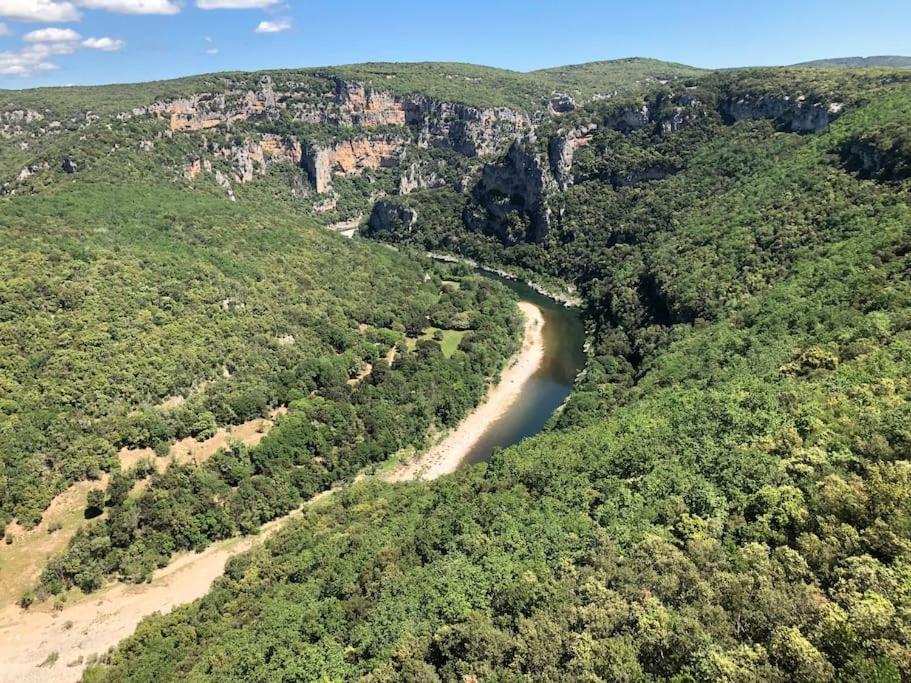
{"points": [[726, 495]]}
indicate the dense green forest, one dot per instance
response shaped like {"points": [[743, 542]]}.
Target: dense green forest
{"points": [[129, 295], [726, 495]]}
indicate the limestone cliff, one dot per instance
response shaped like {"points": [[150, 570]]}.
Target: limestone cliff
{"points": [[562, 148], [350, 157], [391, 217], [471, 131], [417, 178], [510, 199], [795, 114]]}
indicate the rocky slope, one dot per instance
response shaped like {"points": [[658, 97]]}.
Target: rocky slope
{"points": [[342, 144]]}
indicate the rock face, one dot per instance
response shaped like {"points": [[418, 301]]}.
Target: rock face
{"points": [[468, 130], [876, 161], [225, 183], [350, 158], [252, 157], [391, 217], [193, 169], [667, 113], [367, 107], [415, 178], [561, 103], [279, 148], [249, 157], [628, 118], [796, 115], [560, 151], [206, 110], [471, 131], [517, 187]]}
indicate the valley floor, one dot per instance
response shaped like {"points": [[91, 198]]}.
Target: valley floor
{"points": [[451, 451], [43, 645]]}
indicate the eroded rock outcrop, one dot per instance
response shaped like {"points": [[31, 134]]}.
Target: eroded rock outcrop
{"points": [[628, 118], [877, 159], [250, 156], [368, 107], [350, 157], [471, 131], [391, 217], [561, 103], [417, 178], [562, 148], [797, 115], [511, 197]]}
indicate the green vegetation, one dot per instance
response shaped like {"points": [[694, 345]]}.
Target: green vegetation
{"points": [[448, 340], [129, 295], [333, 430], [726, 496]]}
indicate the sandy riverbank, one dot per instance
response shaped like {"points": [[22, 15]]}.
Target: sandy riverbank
{"points": [[99, 621], [448, 454]]}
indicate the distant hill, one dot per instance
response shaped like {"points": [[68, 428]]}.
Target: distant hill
{"points": [[891, 61]]}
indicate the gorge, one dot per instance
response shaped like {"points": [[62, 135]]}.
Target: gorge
{"points": [[699, 471]]}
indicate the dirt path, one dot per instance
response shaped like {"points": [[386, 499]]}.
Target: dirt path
{"points": [[101, 620], [28, 638]]}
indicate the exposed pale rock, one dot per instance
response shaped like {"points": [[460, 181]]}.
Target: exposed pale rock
{"points": [[193, 169], [225, 183], [368, 107], [391, 217], [561, 103], [794, 114], [415, 179], [519, 184], [280, 148], [560, 151], [350, 157]]}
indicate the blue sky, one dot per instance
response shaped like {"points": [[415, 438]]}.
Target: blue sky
{"points": [[104, 41]]}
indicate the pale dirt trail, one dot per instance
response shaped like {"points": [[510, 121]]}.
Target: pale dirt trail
{"points": [[101, 620]]}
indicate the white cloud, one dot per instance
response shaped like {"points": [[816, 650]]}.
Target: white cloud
{"points": [[15, 64], [273, 26], [51, 35], [42, 45], [212, 51], [133, 6], [41, 51], [4, 30], [39, 10], [33, 58], [106, 44], [235, 4]]}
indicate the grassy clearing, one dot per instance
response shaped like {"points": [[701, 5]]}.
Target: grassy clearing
{"points": [[448, 344]]}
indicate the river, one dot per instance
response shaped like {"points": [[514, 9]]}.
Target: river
{"points": [[548, 387]]}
